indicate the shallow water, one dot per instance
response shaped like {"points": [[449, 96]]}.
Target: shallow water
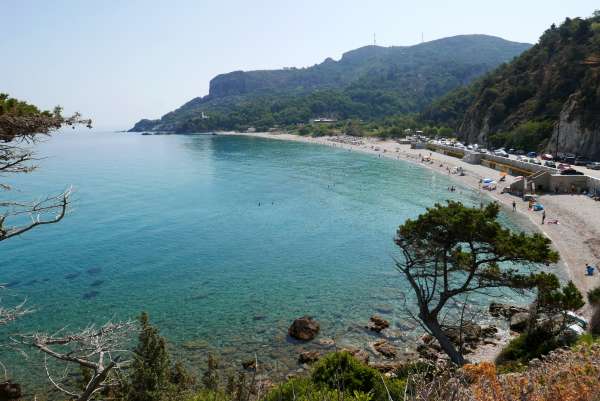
{"points": [[223, 240]]}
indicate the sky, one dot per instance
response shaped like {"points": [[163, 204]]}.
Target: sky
{"points": [[119, 61]]}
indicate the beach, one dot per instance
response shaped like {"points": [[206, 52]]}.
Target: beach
{"points": [[575, 236]]}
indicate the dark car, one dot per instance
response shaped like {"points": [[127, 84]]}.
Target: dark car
{"points": [[569, 159], [570, 171], [520, 152], [581, 161], [532, 154]]}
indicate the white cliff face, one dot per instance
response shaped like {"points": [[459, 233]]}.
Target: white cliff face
{"points": [[572, 136]]}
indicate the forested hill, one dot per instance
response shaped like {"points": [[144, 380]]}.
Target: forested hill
{"points": [[367, 83], [551, 92]]}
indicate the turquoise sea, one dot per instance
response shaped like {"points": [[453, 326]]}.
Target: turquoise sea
{"points": [[222, 240]]}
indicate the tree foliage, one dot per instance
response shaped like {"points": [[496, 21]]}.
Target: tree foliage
{"points": [[452, 251]]}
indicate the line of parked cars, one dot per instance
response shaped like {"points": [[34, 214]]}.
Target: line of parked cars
{"points": [[562, 162]]}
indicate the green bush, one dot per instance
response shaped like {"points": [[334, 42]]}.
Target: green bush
{"points": [[527, 346], [341, 371], [594, 296]]}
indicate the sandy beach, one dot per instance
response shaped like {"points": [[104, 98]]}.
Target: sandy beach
{"points": [[576, 237]]}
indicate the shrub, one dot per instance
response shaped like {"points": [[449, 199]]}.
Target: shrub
{"points": [[340, 370], [527, 346], [594, 296]]}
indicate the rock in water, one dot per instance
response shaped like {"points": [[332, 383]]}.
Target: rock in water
{"points": [[250, 364], [308, 357], [377, 324], [10, 391], [505, 310], [304, 328], [384, 348]]}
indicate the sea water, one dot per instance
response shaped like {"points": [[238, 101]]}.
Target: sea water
{"points": [[223, 240]]}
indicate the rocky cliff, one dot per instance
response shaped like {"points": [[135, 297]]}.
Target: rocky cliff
{"points": [[556, 83]]}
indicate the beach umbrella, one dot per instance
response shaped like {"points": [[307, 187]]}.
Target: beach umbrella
{"points": [[487, 180], [503, 174]]}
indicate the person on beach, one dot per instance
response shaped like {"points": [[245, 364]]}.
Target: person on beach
{"points": [[514, 205], [543, 216], [589, 270]]}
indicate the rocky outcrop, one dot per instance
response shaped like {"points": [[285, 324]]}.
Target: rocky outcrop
{"points": [[505, 310], [519, 321], [572, 135], [308, 357], [377, 324], [469, 338], [385, 348], [304, 328]]}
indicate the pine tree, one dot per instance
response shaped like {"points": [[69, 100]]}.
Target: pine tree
{"points": [[151, 369]]}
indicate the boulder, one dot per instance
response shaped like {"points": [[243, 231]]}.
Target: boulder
{"points": [[308, 357], [384, 348], [505, 310], [250, 364], [326, 342], [10, 391], [387, 367], [377, 323], [470, 333], [304, 328], [519, 321]]}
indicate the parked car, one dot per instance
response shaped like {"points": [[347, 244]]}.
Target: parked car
{"points": [[564, 166], [482, 150], [511, 151], [571, 171], [500, 152], [532, 154], [569, 159], [581, 161], [594, 166], [550, 163], [547, 156], [534, 161], [520, 152]]}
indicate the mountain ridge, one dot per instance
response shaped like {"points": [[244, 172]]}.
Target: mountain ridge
{"points": [[367, 82]]}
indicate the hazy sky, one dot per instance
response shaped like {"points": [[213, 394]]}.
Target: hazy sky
{"points": [[119, 61]]}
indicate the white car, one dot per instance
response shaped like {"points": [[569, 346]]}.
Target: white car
{"points": [[501, 153], [594, 166]]}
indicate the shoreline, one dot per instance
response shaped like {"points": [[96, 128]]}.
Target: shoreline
{"points": [[575, 238]]}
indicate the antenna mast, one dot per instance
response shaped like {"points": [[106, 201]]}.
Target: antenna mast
{"points": [[374, 39]]}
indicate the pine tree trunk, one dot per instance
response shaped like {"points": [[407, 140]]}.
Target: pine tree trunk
{"points": [[444, 341]]}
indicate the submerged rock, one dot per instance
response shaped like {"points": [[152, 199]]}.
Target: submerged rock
{"points": [[249, 364], [377, 324], [304, 328], [308, 357], [90, 295]]}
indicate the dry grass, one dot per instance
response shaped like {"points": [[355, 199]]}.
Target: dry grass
{"points": [[563, 375]]}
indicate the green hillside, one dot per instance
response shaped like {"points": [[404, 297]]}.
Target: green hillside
{"points": [[548, 95], [367, 83]]}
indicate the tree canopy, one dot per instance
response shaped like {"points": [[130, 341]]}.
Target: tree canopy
{"points": [[451, 251]]}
